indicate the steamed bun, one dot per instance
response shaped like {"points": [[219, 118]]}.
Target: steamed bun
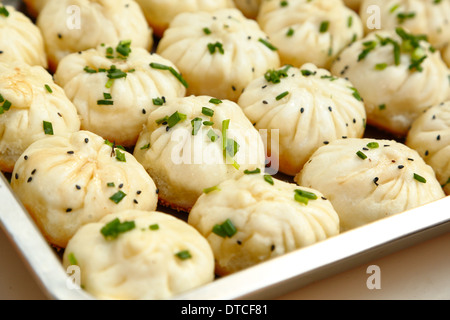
{"points": [[218, 53], [420, 17], [367, 180], [194, 143], [115, 87], [160, 13], [308, 107], [20, 39], [430, 136], [397, 74], [100, 21], [32, 107], [66, 182], [309, 31], [156, 256], [253, 219]]}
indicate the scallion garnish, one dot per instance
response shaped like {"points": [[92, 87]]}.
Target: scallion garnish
{"points": [[212, 135], [48, 128], [4, 11], [269, 179], [113, 229], [184, 255], [215, 101], [256, 171], [419, 178], [361, 155], [196, 125], [213, 47], [49, 90], [281, 96], [226, 229], [175, 118], [208, 112], [304, 196], [120, 156], [118, 197], [373, 145], [209, 190], [171, 70], [268, 44]]}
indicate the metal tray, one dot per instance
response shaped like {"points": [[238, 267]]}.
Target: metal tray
{"points": [[268, 280]]}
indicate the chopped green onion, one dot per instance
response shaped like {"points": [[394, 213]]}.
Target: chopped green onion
{"points": [[361, 155], [324, 26], [110, 185], [215, 101], [208, 112], [207, 31], [213, 47], [419, 178], [306, 194], [114, 228], [226, 229], [281, 96], [171, 70], [47, 87], [123, 48], [269, 179], [72, 260], [158, 101], [275, 76], [48, 128], [118, 197], [4, 11], [256, 171], [147, 146], [154, 227], [209, 190], [184, 255], [175, 118], [268, 44], [120, 156], [105, 102]]}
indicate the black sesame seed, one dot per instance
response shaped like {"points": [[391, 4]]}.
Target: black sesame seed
{"points": [[26, 157], [427, 153], [139, 192], [70, 152], [29, 179], [233, 88], [60, 36], [33, 172], [272, 248], [323, 198], [239, 242], [121, 186], [135, 201], [59, 114], [264, 87], [302, 110], [410, 159], [265, 102], [167, 129], [354, 120], [365, 149], [86, 140], [157, 191], [69, 210], [401, 167], [438, 138], [144, 111], [78, 187], [376, 181], [344, 137], [326, 142], [330, 108], [17, 176]]}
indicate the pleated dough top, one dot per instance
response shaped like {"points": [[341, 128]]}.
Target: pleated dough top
{"points": [[20, 39], [218, 53], [115, 87], [256, 218], [427, 17], [308, 108], [430, 136], [398, 75], [66, 182], [367, 180], [194, 143], [91, 23], [32, 107], [156, 257], [309, 31]]}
